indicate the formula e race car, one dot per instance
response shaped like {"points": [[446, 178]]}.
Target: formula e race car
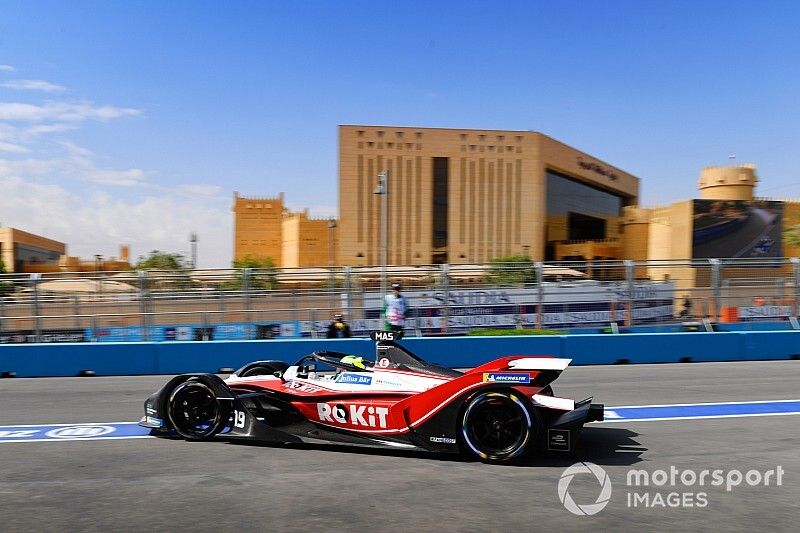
{"points": [[496, 412]]}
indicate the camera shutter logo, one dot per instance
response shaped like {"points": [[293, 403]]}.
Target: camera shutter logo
{"points": [[589, 508]]}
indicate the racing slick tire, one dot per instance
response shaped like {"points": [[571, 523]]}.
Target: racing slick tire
{"points": [[498, 426], [195, 412]]}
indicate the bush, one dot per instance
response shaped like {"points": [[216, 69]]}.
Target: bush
{"points": [[511, 269], [509, 332]]}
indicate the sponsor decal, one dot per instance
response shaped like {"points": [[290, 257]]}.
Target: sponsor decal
{"points": [[357, 415], [388, 382], [302, 387], [384, 362], [18, 434], [443, 440], [154, 421], [354, 379], [79, 432], [558, 440], [46, 336], [73, 432], [506, 377]]}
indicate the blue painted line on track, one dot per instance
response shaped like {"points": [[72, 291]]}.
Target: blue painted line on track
{"points": [[72, 432], [702, 410], [630, 413]]}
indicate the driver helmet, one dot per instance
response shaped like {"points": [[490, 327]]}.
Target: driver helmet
{"points": [[357, 362]]}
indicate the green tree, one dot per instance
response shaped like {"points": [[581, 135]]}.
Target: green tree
{"points": [[263, 274], [6, 287], [791, 235], [174, 275], [511, 269], [158, 260]]}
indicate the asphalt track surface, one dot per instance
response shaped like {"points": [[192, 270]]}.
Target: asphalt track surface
{"points": [[156, 484]]}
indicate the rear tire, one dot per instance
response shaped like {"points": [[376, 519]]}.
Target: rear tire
{"points": [[194, 411], [498, 426]]}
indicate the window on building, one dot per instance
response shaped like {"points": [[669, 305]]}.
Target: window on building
{"points": [[440, 193], [579, 211]]}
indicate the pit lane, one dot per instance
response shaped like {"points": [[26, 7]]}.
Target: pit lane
{"points": [[152, 483]]}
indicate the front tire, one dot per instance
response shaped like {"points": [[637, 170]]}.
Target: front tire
{"points": [[195, 412], [497, 426]]}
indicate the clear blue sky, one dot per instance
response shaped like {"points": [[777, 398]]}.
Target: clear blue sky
{"points": [[135, 121]]}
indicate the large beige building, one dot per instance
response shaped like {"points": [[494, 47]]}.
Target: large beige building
{"points": [[672, 233], [19, 249], [265, 228], [468, 196], [258, 227], [307, 241]]}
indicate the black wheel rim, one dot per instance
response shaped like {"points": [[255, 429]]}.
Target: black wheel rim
{"points": [[194, 410], [496, 426]]}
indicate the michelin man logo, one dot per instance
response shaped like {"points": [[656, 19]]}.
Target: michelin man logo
{"points": [[590, 508]]}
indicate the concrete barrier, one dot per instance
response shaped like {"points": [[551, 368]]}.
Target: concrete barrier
{"points": [[105, 359]]}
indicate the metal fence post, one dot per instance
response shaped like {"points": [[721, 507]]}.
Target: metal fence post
{"points": [[795, 285], [715, 288], [246, 289], [332, 289], [76, 310], [445, 318], [37, 319], [143, 305], [630, 275], [347, 291], [539, 271]]}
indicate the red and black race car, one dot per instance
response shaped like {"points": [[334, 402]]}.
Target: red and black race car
{"points": [[496, 412]]}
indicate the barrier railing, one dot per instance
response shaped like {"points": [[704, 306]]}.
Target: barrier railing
{"points": [[442, 299]]}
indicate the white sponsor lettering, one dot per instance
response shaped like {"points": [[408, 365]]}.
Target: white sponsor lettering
{"points": [[339, 413], [359, 415], [16, 434], [324, 412]]}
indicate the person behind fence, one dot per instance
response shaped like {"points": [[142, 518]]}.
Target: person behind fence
{"points": [[338, 328], [687, 307], [395, 310]]}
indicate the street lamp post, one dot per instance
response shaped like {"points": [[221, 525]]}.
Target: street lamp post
{"points": [[331, 227], [383, 190]]}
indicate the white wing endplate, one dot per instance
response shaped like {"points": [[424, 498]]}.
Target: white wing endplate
{"points": [[539, 363]]}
